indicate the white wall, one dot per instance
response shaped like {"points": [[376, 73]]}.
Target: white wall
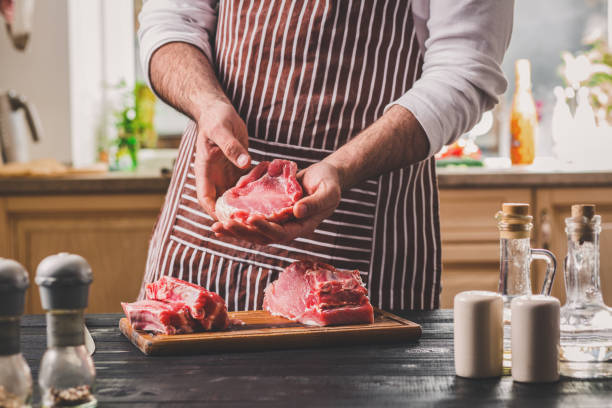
{"points": [[41, 75], [76, 49], [101, 43]]}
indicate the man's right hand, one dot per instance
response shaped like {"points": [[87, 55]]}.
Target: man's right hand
{"points": [[185, 79], [221, 152]]}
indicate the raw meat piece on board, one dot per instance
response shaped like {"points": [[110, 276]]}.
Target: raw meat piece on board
{"points": [[317, 294], [270, 189], [159, 317], [206, 307]]}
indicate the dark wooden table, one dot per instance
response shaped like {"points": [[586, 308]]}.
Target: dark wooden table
{"points": [[415, 374]]}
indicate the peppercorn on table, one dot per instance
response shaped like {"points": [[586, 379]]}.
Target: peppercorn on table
{"points": [[408, 374]]}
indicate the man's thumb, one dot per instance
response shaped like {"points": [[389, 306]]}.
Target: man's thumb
{"points": [[232, 149]]}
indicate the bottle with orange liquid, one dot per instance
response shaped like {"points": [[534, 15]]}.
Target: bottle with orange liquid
{"points": [[524, 117]]}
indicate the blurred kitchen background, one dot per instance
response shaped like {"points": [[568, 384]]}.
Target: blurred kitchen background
{"points": [[95, 178]]}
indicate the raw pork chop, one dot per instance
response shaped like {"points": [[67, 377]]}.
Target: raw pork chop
{"points": [[270, 190], [317, 294], [160, 317], [206, 307]]}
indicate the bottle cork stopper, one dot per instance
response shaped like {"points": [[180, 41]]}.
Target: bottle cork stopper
{"points": [[514, 221], [515, 208], [583, 231], [583, 210]]}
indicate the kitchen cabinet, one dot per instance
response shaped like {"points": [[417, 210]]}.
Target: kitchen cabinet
{"points": [[109, 219], [111, 231], [470, 240]]}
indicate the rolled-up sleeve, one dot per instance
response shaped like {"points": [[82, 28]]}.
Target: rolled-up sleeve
{"points": [[164, 21], [462, 75]]}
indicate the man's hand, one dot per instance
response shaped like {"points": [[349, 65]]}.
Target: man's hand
{"points": [[394, 141], [221, 153], [185, 79], [7, 8], [321, 183]]}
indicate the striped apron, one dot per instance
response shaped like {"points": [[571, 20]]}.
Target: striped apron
{"points": [[306, 77]]}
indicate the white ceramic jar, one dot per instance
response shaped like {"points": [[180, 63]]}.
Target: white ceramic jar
{"points": [[535, 338], [478, 334]]}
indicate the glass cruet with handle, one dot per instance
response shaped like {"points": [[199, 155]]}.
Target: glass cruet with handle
{"points": [[515, 257]]}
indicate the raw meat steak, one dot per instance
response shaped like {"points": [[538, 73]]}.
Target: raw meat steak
{"points": [[317, 294], [269, 189], [159, 317], [206, 307]]}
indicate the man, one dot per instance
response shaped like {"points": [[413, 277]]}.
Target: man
{"points": [[360, 94]]}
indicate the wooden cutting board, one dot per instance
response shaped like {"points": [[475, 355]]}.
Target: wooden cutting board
{"points": [[262, 331]]}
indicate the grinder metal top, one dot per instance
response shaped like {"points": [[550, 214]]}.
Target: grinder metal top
{"points": [[63, 280], [13, 284]]}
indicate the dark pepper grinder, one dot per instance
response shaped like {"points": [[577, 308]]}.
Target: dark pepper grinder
{"points": [[15, 377], [67, 372]]}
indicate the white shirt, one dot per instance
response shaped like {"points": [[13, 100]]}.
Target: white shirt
{"points": [[464, 42]]}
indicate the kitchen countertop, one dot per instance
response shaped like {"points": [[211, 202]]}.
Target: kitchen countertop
{"points": [[154, 182], [103, 183], [479, 177], [413, 374]]}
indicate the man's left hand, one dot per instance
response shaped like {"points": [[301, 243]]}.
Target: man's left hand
{"points": [[321, 183]]}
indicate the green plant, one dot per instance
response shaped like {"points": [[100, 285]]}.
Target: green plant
{"points": [[134, 121]]}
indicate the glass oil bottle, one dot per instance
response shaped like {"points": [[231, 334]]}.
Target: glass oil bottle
{"points": [[67, 372], [515, 257], [586, 322]]}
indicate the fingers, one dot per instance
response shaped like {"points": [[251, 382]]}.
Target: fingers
{"points": [[230, 146], [272, 230], [205, 188], [319, 202], [258, 230], [263, 232], [287, 231], [241, 231], [206, 193], [300, 228]]}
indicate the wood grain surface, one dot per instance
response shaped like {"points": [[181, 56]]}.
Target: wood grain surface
{"points": [[407, 374], [262, 331]]}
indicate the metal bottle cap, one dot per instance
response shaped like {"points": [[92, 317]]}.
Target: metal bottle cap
{"points": [[13, 284], [63, 281]]}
